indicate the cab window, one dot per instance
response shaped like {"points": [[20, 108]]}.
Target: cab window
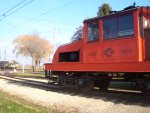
{"points": [[120, 26], [92, 32], [110, 28], [125, 25]]}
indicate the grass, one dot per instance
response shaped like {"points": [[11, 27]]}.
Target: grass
{"points": [[11, 104], [123, 85], [30, 74]]}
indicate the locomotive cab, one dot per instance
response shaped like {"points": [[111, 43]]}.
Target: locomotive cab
{"points": [[120, 37]]}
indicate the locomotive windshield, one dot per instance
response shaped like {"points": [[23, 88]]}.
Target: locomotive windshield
{"points": [[118, 26], [93, 31]]}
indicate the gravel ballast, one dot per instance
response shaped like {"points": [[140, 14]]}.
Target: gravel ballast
{"points": [[70, 102]]}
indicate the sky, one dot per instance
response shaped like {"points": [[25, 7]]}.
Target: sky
{"points": [[49, 18]]}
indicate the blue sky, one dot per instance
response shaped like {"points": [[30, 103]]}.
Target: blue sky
{"points": [[43, 16]]}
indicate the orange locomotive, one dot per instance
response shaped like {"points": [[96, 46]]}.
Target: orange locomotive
{"points": [[118, 43]]}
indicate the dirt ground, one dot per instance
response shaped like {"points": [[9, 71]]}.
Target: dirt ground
{"points": [[62, 100]]}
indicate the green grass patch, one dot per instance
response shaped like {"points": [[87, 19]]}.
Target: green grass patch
{"points": [[123, 85], [12, 104], [30, 74]]}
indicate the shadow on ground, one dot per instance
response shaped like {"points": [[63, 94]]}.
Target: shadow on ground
{"points": [[115, 96]]}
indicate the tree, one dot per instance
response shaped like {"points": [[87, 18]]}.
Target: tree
{"points": [[78, 34], [104, 9], [34, 46]]}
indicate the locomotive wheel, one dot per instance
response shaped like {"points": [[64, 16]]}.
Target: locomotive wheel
{"points": [[104, 87], [87, 86], [144, 87], [103, 83], [60, 81], [87, 83]]}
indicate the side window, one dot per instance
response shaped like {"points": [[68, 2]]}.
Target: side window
{"points": [[146, 23], [92, 32], [110, 28], [125, 25], [119, 26]]}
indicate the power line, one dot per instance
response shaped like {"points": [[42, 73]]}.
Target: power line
{"points": [[6, 15], [59, 7], [45, 13], [50, 11], [12, 8], [20, 7]]}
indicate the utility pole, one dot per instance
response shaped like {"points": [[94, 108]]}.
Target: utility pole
{"points": [[54, 40], [54, 30], [0, 53], [4, 58], [23, 64]]}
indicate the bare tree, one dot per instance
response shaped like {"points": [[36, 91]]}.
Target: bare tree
{"points": [[78, 34], [34, 46]]}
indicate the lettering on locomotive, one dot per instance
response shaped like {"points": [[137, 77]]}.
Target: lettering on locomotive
{"points": [[92, 53], [126, 51]]}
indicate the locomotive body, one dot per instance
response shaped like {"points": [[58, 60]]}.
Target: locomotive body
{"points": [[115, 43]]}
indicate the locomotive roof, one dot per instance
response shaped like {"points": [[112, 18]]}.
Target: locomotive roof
{"points": [[130, 8]]}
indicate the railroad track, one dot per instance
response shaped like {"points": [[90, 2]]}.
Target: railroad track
{"points": [[52, 86], [37, 83]]}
